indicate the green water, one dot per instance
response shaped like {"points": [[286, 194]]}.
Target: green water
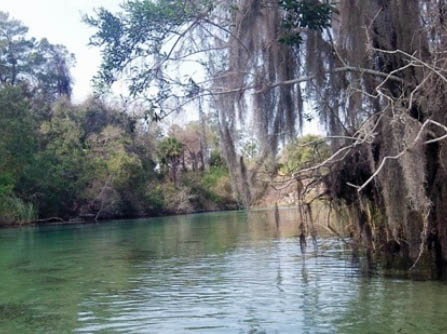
{"points": [[209, 273]]}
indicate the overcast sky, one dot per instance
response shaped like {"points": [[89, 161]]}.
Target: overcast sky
{"points": [[60, 22]]}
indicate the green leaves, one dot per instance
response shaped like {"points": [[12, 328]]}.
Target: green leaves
{"points": [[170, 149], [137, 33], [41, 66], [137, 43], [17, 134], [310, 14], [7, 183], [303, 152]]}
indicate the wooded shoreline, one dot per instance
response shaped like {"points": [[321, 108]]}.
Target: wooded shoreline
{"points": [[82, 221], [371, 73]]}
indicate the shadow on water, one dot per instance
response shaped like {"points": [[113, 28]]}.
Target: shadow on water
{"points": [[19, 264], [26, 316]]}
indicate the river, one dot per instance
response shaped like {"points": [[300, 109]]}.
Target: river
{"points": [[227, 272]]}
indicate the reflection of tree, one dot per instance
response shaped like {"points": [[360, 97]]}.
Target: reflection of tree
{"points": [[311, 303], [401, 306], [167, 261]]}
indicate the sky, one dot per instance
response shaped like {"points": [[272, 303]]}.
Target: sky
{"points": [[60, 21]]}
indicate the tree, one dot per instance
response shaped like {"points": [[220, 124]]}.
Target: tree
{"points": [[59, 160], [18, 144], [192, 135], [17, 140], [42, 67], [375, 75], [149, 40], [53, 75], [16, 52], [56, 176], [303, 152], [170, 151]]}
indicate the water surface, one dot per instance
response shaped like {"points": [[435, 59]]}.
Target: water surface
{"points": [[208, 273]]}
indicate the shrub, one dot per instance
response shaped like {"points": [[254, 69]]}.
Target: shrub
{"points": [[15, 210], [303, 152]]}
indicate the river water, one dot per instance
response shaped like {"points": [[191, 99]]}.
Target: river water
{"points": [[208, 273]]}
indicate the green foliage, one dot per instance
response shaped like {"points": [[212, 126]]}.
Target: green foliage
{"points": [[94, 116], [136, 43], [314, 15], [169, 152], [138, 32], [54, 183], [213, 184], [53, 73], [16, 56], [56, 165], [55, 175], [39, 65], [15, 210], [7, 183], [216, 159], [170, 149], [303, 152], [250, 149], [154, 199], [61, 160], [17, 134], [216, 180]]}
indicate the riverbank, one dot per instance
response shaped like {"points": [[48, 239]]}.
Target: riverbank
{"points": [[55, 221], [193, 193]]}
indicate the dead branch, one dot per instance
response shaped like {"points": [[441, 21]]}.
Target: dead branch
{"points": [[405, 150]]}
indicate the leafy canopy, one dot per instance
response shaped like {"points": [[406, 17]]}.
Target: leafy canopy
{"points": [[310, 14], [42, 67], [304, 152]]}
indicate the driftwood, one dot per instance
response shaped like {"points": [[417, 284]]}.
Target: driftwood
{"points": [[48, 220]]}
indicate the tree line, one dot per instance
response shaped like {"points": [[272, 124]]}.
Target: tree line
{"points": [[62, 161]]}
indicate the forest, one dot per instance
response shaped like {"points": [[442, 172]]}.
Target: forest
{"points": [[91, 161], [255, 72]]}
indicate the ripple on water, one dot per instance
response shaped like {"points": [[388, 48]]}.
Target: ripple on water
{"points": [[224, 273]]}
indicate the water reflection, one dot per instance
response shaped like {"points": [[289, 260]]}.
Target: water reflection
{"points": [[214, 273]]}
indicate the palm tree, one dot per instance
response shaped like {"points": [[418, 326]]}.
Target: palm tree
{"points": [[170, 151]]}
